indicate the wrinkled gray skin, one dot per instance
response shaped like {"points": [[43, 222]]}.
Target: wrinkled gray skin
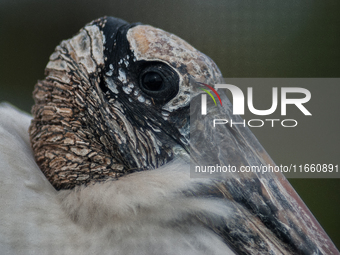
{"points": [[94, 121]]}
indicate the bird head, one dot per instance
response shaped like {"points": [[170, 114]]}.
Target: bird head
{"points": [[115, 100]]}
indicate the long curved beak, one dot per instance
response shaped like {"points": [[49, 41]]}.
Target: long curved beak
{"points": [[267, 204]]}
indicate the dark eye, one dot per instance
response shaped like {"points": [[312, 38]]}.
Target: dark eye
{"points": [[152, 81], [159, 81]]}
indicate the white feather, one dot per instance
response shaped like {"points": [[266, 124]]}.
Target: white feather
{"points": [[142, 213]]}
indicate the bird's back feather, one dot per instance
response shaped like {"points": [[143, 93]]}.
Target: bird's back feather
{"points": [[142, 213]]}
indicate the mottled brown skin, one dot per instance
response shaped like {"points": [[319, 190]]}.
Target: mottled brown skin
{"points": [[68, 136], [63, 137]]}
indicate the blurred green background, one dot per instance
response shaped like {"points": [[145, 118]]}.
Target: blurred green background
{"points": [[245, 38]]}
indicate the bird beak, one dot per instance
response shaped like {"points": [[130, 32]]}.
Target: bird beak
{"points": [[266, 198]]}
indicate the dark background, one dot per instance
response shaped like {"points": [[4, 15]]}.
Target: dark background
{"points": [[245, 38]]}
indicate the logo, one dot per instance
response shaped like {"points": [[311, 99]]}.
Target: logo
{"points": [[239, 103], [204, 98]]}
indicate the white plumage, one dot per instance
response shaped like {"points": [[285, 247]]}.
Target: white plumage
{"points": [[142, 213]]}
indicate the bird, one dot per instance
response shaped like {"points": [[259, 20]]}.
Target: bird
{"points": [[103, 165]]}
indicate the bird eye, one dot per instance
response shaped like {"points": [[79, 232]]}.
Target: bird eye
{"points": [[152, 81], [159, 81]]}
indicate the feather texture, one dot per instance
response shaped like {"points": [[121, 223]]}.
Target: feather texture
{"points": [[142, 213]]}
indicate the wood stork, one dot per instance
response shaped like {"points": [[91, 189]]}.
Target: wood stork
{"points": [[105, 166]]}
